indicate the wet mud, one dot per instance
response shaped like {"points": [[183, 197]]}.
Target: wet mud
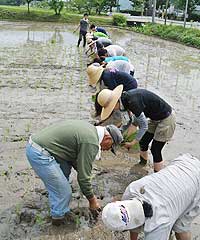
{"points": [[43, 80]]}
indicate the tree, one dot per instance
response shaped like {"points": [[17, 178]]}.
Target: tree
{"points": [[180, 4], [110, 4], [104, 5], [11, 2], [88, 5], [57, 6], [78, 4], [99, 5], [141, 5], [28, 3]]}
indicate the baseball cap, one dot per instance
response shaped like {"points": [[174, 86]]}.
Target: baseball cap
{"points": [[123, 215], [116, 135]]}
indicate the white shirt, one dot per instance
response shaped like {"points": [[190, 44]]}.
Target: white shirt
{"points": [[115, 50], [100, 132], [120, 65], [174, 194]]}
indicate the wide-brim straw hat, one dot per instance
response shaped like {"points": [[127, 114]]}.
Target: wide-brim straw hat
{"points": [[108, 99], [94, 74]]}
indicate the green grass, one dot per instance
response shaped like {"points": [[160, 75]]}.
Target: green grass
{"points": [[42, 15], [187, 36]]}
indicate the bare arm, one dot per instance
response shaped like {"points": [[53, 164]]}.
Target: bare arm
{"points": [[133, 235]]}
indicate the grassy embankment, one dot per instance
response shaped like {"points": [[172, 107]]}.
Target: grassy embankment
{"points": [[187, 36], [42, 15]]}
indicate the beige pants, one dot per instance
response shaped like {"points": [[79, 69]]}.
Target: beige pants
{"points": [[163, 130]]}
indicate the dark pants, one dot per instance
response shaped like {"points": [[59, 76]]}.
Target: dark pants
{"points": [[156, 146], [82, 34]]}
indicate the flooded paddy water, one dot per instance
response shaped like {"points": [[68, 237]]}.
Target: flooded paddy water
{"points": [[43, 80]]}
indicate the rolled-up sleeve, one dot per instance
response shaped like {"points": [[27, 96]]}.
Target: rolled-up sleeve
{"points": [[143, 126]]}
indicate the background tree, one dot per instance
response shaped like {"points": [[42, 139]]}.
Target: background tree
{"points": [[88, 5], [141, 5], [28, 4], [111, 3], [78, 4], [11, 2], [180, 4], [99, 5], [57, 6]]}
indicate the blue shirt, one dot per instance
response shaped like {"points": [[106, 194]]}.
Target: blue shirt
{"points": [[114, 58], [100, 29]]}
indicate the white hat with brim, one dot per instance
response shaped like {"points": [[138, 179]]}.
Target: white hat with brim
{"points": [[123, 215], [89, 37], [108, 99], [94, 74]]}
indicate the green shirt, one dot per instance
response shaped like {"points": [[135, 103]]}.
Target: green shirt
{"points": [[74, 141], [100, 34]]}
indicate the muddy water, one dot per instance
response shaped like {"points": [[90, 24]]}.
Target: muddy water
{"points": [[43, 80]]}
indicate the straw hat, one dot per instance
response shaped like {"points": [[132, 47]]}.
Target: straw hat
{"points": [[94, 74], [108, 99], [123, 215]]}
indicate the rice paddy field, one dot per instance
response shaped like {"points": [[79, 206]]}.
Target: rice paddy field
{"points": [[43, 81]]}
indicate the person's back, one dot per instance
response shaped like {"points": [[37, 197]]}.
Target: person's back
{"points": [[100, 34], [172, 192], [104, 41], [142, 100], [115, 58], [120, 65], [100, 29], [115, 50], [113, 78], [63, 140]]}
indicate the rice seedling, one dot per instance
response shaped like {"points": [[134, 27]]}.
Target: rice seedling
{"points": [[39, 219], [6, 134]]}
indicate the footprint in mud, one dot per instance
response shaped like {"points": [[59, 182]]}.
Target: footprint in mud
{"points": [[139, 170]]}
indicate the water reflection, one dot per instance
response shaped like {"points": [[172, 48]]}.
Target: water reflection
{"points": [[13, 36]]}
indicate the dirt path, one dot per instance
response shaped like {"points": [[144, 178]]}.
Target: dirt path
{"points": [[43, 80]]}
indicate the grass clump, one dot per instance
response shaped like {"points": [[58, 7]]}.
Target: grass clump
{"points": [[119, 20], [187, 36]]}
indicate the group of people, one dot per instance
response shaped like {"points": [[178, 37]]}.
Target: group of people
{"points": [[166, 200]]}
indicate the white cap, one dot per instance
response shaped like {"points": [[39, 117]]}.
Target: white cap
{"points": [[123, 215]]}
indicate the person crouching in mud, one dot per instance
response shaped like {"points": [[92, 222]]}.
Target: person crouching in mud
{"points": [[52, 153], [142, 104], [159, 203]]}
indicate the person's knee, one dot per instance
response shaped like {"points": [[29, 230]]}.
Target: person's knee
{"points": [[156, 149], [183, 236], [144, 142], [144, 145]]}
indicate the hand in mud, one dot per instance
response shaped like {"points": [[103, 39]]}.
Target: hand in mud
{"points": [[95, 213], [128, 145], [94, 207]]}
